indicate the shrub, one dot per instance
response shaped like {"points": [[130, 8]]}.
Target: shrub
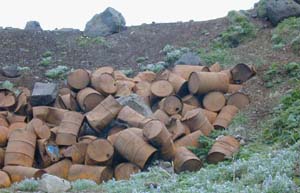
{"points": [[172, 54], [27, 185], [214, 55], [141, 59], [57, 73], [46, 61], [84, 41], [295, 45], [7, 85], [158, 67], [128, 72], [261, 8], [286, 32], [83, 184]]}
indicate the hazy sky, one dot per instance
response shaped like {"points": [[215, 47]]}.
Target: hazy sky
{"points": [[75, 13]]}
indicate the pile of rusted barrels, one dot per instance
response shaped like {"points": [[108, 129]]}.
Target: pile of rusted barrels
{"points": [[87, 134]]}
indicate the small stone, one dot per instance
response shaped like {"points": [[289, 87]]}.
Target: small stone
{"points": [[53, 184], [11, 71], [43, 94]]}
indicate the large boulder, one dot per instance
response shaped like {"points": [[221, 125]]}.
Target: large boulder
{"points": [[53, 184], [33, 26], [137, 103], [278, 10], [11, 71], [43, 94], [108, 22]]}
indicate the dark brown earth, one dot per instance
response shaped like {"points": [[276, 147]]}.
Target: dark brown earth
{"points": [[121, 51]]}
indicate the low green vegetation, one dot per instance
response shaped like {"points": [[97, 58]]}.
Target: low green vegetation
{"points": [[84, 41], [172, 54], [128, 72], [7, 85], [46, 59], [287, 33], [239, 120], [141, 59], [59, 72], [157, 67], [211, 56], [27, 185], [261, 8], [81, 185]]}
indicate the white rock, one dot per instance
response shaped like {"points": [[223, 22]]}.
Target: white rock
{"points": [[53, 184]]}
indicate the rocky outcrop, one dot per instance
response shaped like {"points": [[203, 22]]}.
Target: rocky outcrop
{"points": [[33, 26]]}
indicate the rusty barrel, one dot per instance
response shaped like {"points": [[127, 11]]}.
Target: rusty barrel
{"points": [[148, 76], [2, 154], [179, 84], [238, 99], [211, 116], [20, 148], [131, 117], [3, 136], [44, 159], [4, 180], [123, 171], [185, 70], [171, 105], [60, 169], [16, 125], [242, 72], [196, 120], [50, 115], [143, 89], [187, 108], [76, 152], [19, 173], [204, 82], [191, 100], [87, 138], [190, 140], [7, 99], [162, 116], [177, 129], [41, 130], [233, 88], [224, 147], [104, 83], [69, 128], [99, 152], [97, 174], [88, 99], [214, 101], [104, 113], [123, 89], [225, 117], [78, 79], [185, 160], [216, 67], [68, 102], [133, 148], [3, 122], [161, 88], [156, 132]]}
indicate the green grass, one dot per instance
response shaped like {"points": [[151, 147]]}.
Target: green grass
{"points": [[84, 41], [27, 185], [59, 72], [286, 33], [220, 55]]}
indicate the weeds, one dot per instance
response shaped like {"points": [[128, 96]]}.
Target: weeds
{"points": [[80, 185], [172, 54], [158, 67], [128, 72], [59, 72], [84, 41], [27, 185], [46, 58]]}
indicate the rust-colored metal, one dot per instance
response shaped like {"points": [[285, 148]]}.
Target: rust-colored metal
{"points": [[123, 90], [196, 120], [99, 152], [228, 74], [16, 125], [115, 130], [104, 69], [60, 169], [7, 99], [123, 171], [191, 100], [211, 116], [119, 75], [172, 105], [238, 99], [133, 148], [204, 82], [190, 140], [77, 152], [214, 101], [13, 118], [185, 160], [148, 76], [4, 180], [49, 115], [143, 89], [3, 122], [179, 84], [20, 148], [225, 117], [104, 113], [156, 132], [131, 117], [69, 128], [162, 88], [223, 148], [19, 173], [88, 99], [176, 129], [233, 88], [22, 103], [87, 138], [3, 136], [242, 72], [68, 102], [186, 108], [216, 67], [162, 116], [104, 83], [2, 154], [185, 70], [97, 174], [41, 130], [43, 158], [78, 79]]}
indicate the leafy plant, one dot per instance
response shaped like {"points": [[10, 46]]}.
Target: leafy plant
{"points": [[141, 59], [57, 73], [212, 56], [27, 185], [172, 54], [84, 41], [158, 67], [128, 72]]}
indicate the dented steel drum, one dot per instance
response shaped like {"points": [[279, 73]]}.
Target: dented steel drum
{"points": [[133, 148], [123, 171], [60, 169], [185, 160], [69, 128], [225, 117], [20, 148], [190, 140], [97, 174], [19, 173], [4, 180]]}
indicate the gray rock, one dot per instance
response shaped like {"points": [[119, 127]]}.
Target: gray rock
{"points": [[11, 71], [43, 94], [33, 26], [278, 10], [108, 22], [189, 58], [53, 184], [137, 103]]}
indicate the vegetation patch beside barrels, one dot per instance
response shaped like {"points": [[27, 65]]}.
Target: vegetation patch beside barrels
{"points": [[85, 132]]}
